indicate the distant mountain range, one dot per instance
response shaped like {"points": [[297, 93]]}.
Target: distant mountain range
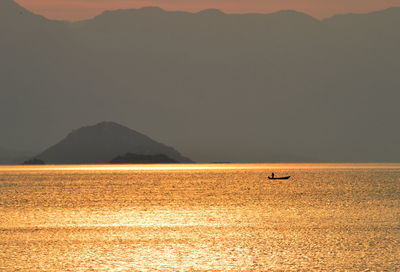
{"points": [[103, 143], [221, 87]]}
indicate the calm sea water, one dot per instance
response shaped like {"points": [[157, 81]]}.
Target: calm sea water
{"points": [[200, 217]]}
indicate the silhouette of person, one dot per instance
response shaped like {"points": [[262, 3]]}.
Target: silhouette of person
{"points": [[273, 175]]}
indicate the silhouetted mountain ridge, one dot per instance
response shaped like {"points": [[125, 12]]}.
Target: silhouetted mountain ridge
{"points": [[103, 142], [14, 16], [133, 15]]}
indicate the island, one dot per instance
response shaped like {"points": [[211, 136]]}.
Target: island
{"points": [[34, 162], [103, 142]]}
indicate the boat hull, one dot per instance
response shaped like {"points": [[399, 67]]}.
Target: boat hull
{"points": [[279, 178]]}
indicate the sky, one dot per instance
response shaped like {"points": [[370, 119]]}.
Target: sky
{"points": [[83, 9]]}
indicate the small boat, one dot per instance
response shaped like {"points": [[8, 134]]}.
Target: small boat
{"points": [[278, 178]]}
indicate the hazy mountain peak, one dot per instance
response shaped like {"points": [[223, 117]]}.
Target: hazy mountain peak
{"points": [[389, 12], [120, 17], [14, 16], [151, 9], [9, 4], [103, 127], [9, 8], [285, 14], [391, 9], [105, 124], [290, 12], [211, 11], [143, 10]]}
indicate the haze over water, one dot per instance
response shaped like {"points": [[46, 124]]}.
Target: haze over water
{"points": [[200, 217]]}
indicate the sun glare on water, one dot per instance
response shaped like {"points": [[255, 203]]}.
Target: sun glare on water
{"points": [[199, 217]]}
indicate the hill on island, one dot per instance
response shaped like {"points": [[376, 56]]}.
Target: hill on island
{"points": [[102, 143]]}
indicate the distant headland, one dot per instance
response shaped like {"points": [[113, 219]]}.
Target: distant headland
{"points": [[107, 142]]}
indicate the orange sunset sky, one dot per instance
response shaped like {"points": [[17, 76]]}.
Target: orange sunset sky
{"points": [[83, 9]]}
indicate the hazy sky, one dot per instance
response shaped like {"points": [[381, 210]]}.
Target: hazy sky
{"points": [[81, 9]]}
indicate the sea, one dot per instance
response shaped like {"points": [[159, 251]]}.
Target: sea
{"points": [[200, 217]]}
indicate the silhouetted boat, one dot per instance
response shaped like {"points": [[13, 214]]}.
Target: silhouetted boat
{"points": [[288, 177]]}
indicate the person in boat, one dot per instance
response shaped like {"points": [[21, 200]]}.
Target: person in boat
{"points": [[272, 175]]}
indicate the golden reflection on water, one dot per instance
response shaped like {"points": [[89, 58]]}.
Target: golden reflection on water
{"points": [[200, 217]]}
